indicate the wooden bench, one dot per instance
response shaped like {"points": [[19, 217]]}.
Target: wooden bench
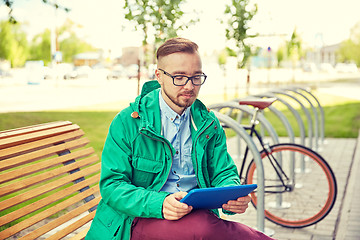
{"points": [[48, 182]]}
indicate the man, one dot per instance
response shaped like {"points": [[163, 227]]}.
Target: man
{"points": [[160, 147]]}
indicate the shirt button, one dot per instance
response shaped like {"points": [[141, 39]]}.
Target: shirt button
{"points": [[177, 152], [174, 172], [178, 185], [207, 137]]}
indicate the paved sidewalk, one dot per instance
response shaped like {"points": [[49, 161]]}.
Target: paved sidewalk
{"points": [[343, 222], [348, 226]]}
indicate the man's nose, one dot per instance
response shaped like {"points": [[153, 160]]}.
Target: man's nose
{"points": [[189, 84]]}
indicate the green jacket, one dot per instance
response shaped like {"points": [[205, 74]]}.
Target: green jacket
{"points": [[137, 159]]}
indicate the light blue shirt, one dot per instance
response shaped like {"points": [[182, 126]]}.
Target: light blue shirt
{"points": [[176, 129]]}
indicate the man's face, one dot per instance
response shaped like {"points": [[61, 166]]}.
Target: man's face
{"points": [[179, 97]]}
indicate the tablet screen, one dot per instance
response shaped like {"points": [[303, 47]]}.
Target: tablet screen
{"points": [[212, 198]]}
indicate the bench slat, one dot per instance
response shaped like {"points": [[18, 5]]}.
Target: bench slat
{"points": [[35, 145], [49, 212], [48, 187], [33, 128], [74, 226], [19, 139], [43, 153], [81, 235], [37, 167], [46, 201]]}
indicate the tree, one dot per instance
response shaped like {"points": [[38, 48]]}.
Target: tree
{"points": [[69, 46], [13, 44], [160, 17], [349, 50], [294, 47], [9, 4], [238, 15], [280, 55], [73, 45], [294, 50], [40, 47]]}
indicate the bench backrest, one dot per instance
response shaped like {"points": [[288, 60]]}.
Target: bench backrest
{"points": [[48, 182]]}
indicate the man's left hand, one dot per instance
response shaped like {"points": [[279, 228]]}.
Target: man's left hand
{"points": [[237, 206]]}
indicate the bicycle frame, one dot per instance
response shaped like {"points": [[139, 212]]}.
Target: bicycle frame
{"points": [[275, 164]]}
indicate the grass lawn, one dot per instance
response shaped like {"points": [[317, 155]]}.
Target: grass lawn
{"points": [[341, 120]]}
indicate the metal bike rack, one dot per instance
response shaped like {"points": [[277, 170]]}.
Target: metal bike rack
{"points": [[307, 114], [282, 118], [264, 122], [303, 167], [293, 111], [234, 105], [259, 167], [322, 115], [285, 122], [316, 119]]}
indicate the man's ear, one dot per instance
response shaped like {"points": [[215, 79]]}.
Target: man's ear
{"points": [[157, 75]]}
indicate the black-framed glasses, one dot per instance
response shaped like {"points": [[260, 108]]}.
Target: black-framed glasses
{"points": [[182, 80]]}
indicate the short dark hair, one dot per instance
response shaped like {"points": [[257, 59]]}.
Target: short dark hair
{"points": [[174, 45]]}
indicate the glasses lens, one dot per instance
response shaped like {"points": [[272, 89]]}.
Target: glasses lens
{"points": [[196, 80]]}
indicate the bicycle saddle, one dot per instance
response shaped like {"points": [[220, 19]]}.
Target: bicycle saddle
{"points": [[260, 103]]}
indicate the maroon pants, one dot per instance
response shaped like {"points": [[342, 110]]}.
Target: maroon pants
{"points": [[200, 224]]}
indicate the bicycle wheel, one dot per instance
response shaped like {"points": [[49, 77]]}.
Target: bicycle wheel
{"points": [[303, 196]]}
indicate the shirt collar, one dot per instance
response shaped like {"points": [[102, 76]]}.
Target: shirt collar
{"points": [[169, 113]]}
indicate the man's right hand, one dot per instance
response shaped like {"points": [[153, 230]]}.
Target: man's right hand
{"points": [[173, 209]]}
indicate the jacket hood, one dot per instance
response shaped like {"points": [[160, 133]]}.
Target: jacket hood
{"points": [[149, 99], [148, 87]]}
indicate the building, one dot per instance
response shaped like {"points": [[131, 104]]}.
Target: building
{"points": [[87, 59], [327, 54], [130, 55]]}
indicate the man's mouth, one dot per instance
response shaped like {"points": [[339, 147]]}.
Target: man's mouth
{"points": [[187, 94]]}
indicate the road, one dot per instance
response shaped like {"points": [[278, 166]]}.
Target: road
{"points": [[16, 95]]}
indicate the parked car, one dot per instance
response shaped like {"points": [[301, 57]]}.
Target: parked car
{"points": [[116, 72], [4, 73], [79, 72], [49, 73], [132, 71], [346, 68], [327, 67], [310, 67]]}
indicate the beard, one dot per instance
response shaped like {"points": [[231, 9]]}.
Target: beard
{"points": [[187, 102]]}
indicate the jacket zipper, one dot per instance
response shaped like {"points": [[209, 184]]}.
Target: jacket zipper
{"points": [[196, 158]]}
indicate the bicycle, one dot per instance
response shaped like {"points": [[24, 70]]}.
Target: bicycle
{"points": [[294, 197]]}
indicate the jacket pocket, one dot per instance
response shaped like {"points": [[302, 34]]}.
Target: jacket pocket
{"points": [[107, 224], [145, 171]]}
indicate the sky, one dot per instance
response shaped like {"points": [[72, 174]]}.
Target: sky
{"points": [[102, 23]]}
